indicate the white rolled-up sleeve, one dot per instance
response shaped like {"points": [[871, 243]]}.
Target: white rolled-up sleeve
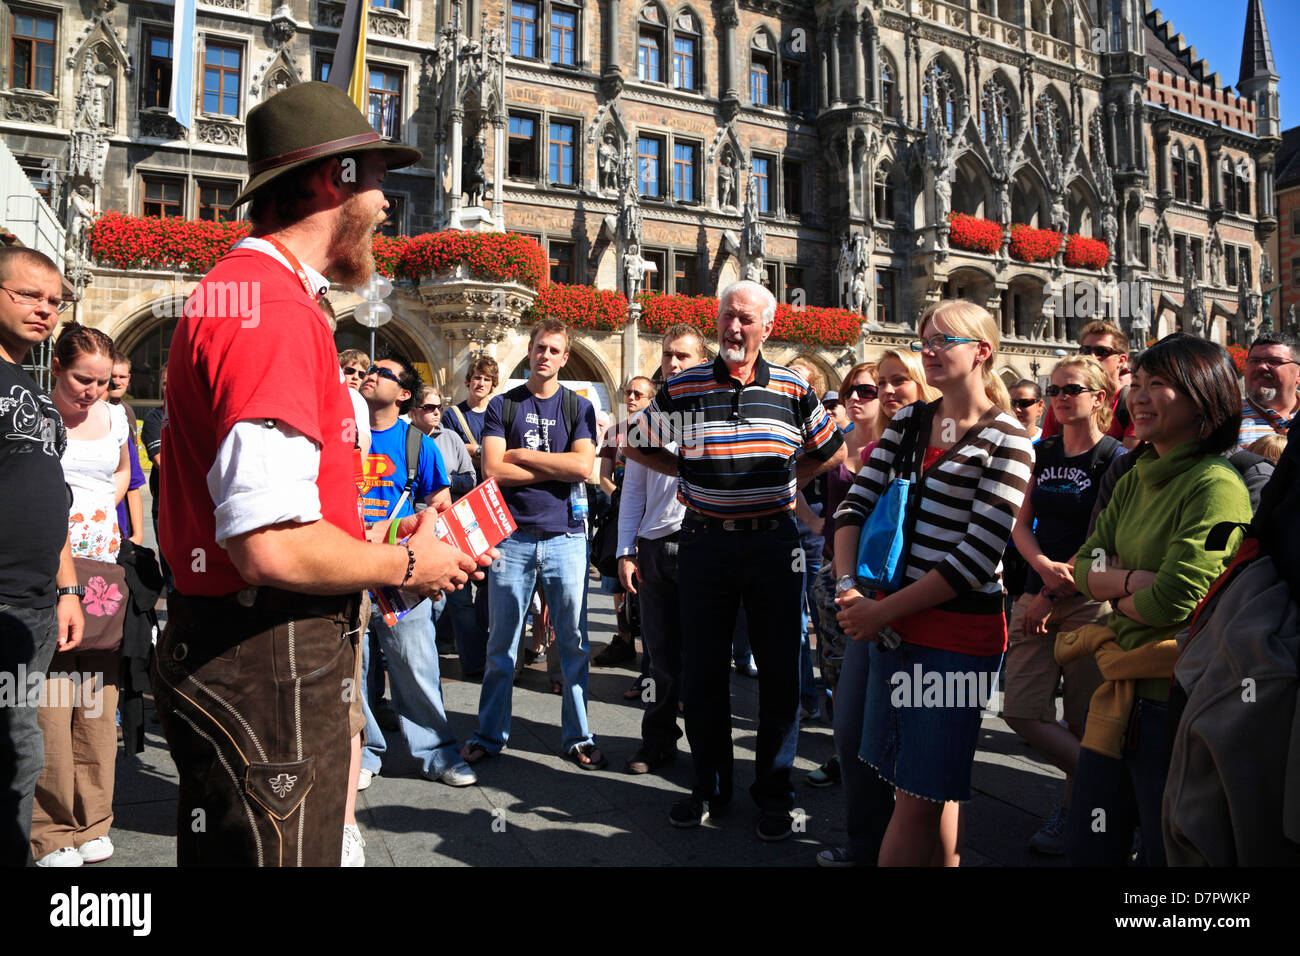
{"points": [[265, 474]]}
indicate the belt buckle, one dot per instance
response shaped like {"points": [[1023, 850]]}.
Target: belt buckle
{"points": [[246, 597]]}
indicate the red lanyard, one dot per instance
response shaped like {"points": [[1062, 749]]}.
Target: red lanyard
{"points": [[295, 265]]}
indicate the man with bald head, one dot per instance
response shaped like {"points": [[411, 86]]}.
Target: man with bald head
{"points": [[748, 436]]}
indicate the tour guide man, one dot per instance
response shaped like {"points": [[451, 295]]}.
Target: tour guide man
{"points": [[255, 671], [739, 423]]}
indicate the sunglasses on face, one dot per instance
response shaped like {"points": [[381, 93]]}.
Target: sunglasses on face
{"points": [[1023, 403], [430, 407], [936, 342], [865, 392], [1099, 352], [352, 370], [632, 393], [1072, 390], [383, 373]]}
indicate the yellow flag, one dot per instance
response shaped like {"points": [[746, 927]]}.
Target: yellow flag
{"points": [[358, 87]]}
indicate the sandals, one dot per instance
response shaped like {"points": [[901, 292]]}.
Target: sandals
{"points": [[473, 753], [588, 757]]}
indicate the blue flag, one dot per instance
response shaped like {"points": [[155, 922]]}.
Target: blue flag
{"points": [[183, 34]]}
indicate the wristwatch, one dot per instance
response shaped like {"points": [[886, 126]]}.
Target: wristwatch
{"points": [[846, 582], [76, 589]]}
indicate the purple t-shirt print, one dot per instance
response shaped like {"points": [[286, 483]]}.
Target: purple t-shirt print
{"points": [[539, 426]]}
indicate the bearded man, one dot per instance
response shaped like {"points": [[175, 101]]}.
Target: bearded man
{"points": [[255, 672]]}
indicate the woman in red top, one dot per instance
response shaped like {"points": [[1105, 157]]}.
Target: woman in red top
{"points": [[923, 698]]}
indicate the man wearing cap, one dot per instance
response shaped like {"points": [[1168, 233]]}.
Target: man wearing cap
{"points": [[253, 675], [749, 435]]}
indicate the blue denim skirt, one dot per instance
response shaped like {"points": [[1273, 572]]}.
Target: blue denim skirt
{"points": [[921, 719]]}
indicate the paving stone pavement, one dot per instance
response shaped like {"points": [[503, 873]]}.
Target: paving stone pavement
{"points": [[532, 807]]}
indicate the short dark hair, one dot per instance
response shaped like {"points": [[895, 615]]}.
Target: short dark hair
{"points": [[1277, 338], [12, 255], [120, 357], [409, 380], [1026, 383], [1204, 372]]}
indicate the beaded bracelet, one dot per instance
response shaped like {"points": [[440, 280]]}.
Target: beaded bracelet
{"points": [[410, 566]]}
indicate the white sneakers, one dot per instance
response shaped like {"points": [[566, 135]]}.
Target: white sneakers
{"points": [[94, 851], [353, 846], [64, 856], [363, 779], [97, 850]]}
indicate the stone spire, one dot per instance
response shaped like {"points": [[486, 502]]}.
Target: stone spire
{"points": [[1256, 50]]}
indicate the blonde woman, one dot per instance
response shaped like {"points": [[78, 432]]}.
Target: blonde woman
{"points": [[972, 462], [900, 381], [1053, 523]]}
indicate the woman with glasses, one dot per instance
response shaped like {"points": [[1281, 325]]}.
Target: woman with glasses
{"points": [[74, 798], [972, 463], [1053, 522], [1148, 557]]}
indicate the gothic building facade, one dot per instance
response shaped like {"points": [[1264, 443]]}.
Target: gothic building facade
{"points": [[821, 146]]}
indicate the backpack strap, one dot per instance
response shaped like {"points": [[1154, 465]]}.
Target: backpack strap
{"points": [[569, 407], [413, 436], [464, 423], [1103, 453], [1244, 460]]}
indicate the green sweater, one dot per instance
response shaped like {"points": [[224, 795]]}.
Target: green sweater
{"points": [[1157, 520]]}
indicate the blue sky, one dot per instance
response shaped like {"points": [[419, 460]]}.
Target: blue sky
{"points": [[1216, 29]]}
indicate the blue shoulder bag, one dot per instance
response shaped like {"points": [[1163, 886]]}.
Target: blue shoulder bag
{"points": [[882, 548]]}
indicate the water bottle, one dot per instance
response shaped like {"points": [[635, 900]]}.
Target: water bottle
{"points": [[578, 501]]}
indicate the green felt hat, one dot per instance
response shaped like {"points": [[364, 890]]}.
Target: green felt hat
{"points": [[307, 122]]}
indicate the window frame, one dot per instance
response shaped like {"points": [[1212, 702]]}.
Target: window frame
{"points": [[511, 139], [575, 35], [574, 171], [792, 185], [654, 281], [552, 262], [35, 43], [200, 183], [767, 71], [662, 143], [650, 38], [886, 297], [225, 43], [766, 186], [146, 177], [695, 196], [396, 221], [385, 69], [884, 196], [147, 85], [1295, 222], [686, 272], [692, 57], [536, 21]]}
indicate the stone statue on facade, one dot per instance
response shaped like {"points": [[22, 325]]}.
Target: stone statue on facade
{"points": [[1216, 259], [1194, 304], [755, 236], [633, 271], [1163, 244], [81, 214], [1291, 319], [726, 180], [607, 161], [474, 172]]}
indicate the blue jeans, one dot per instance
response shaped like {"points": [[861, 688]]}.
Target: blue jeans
{"points": [[471, 640], [411, 654], [27, 640], [1129, 791], [868, 800], [718, 571], [559, 562]]}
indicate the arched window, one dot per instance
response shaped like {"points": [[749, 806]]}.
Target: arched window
{"points": [[651, 44], [149, 357], [1195, 194], [1050, 118], [998, 99], [793, 95], [762, 70], [883, 194], [686, 72], [1229, 180], [889, 104], [1179, 164], [1243, 188], [941, 93]]}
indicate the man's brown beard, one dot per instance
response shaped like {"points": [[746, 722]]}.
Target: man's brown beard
{"points": [[351, 258]]}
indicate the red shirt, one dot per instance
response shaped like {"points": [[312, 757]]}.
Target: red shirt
{"points": [[1116, 429], [276, 360]]}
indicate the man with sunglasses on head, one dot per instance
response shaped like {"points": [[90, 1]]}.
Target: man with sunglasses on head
{"points": [[1109, 346], [1272, 376]]}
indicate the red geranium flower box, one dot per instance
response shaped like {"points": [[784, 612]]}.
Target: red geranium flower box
{"points": [[1082, 252], [973, 233], [579, 307], [1034, 245]]}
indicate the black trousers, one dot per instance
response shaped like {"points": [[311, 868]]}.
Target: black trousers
{"points": [[661, 633], [254, 704], [717, 572]]}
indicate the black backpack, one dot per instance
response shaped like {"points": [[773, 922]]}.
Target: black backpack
{"points": [[512, 399]]}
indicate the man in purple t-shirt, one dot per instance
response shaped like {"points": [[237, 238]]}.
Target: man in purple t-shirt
{"points": [[539, 444]]}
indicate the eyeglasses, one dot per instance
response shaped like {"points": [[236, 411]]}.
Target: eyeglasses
{"points": [[1023, 403], [351, 370], [431, 408], [1072, 390], [1099, 352], [383, 373], [633, 393], [1270, 363], [865, 392], [936, 342], [31, 297]]}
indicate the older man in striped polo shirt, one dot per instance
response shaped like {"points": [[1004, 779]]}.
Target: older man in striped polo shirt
{"points": [[749, 436]]}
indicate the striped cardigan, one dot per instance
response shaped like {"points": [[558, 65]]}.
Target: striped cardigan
{"points": [[969, 499]]}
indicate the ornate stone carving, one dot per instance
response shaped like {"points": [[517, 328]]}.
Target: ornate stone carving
{"points": [[219, 134], [282, 27], [385, 24], [329, 14], [228, 4], [159, 126]]}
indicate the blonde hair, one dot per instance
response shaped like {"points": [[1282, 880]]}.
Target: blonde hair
{"points": [[815, 378], [1094, 376], [911, 362], [1270, 446], [972, 321]]}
